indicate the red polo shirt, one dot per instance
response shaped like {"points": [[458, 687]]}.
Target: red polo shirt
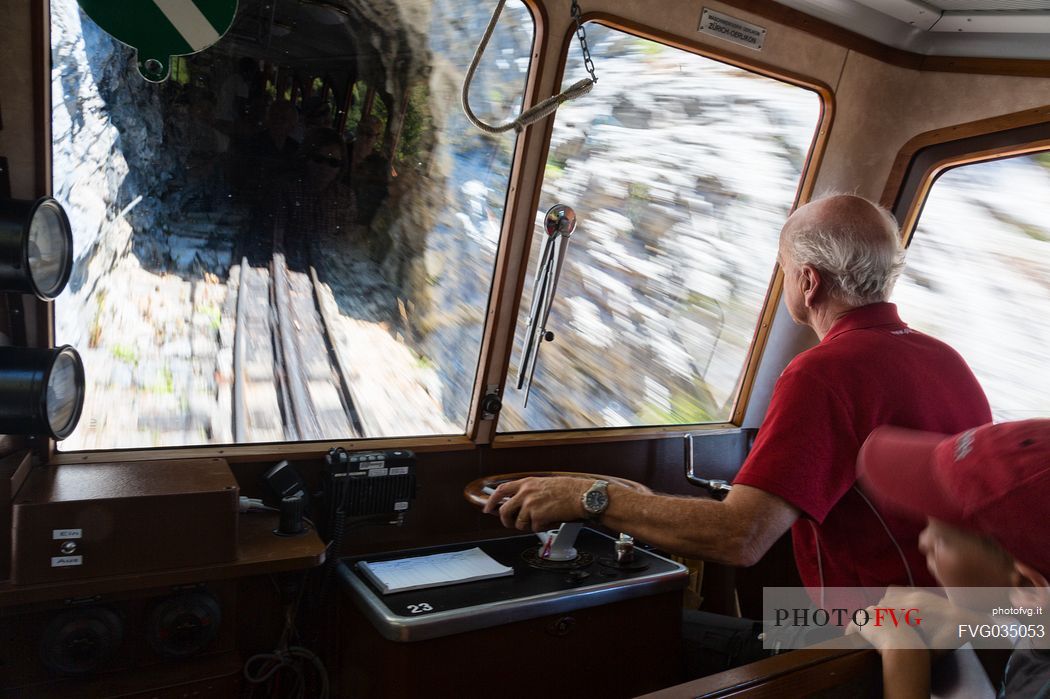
{"points": [[869, 370]]}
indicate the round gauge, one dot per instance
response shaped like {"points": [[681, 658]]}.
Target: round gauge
{"points": [[49, 249], [64, 396]]}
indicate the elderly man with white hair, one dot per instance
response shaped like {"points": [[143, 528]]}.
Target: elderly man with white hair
{"points": [[840, 256]]}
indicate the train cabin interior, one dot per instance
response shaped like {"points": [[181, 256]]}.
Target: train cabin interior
{"points": [[315, 312]]}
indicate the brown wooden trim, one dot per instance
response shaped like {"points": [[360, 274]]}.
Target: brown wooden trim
{"points": [[981, 127], [512, 255], [914, 195], [239, 453], [258, 552], [743, 61], [929, 154], [1019, 67], [798, 673], [14, 469], [40, 48], [608, 434]]}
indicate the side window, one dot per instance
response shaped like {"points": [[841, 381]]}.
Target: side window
{"points": [[978, 277], [293, 237], [681, 171]]}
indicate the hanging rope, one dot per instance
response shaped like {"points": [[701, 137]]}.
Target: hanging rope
{"points": [[536, 112]]}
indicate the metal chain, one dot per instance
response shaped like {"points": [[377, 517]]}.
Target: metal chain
{"points": [[581, 34]]}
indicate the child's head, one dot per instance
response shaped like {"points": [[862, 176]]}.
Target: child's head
{"points": [[960, 558], [985, 492]]}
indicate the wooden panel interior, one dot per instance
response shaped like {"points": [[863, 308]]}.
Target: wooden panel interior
{"points": [[807, 672]]}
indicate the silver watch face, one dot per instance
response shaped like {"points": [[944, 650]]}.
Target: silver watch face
{"points": [[595, 501]]}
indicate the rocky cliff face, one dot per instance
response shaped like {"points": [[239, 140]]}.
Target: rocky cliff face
{"points": [[670, 177], [147, 298]]}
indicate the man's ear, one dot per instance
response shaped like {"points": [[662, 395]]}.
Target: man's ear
{"points": [[811, 284]]}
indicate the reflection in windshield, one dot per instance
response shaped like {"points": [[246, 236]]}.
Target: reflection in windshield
{"points": [[292, 238]]}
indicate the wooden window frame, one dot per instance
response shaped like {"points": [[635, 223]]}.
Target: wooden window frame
{"points": [[509, 269], [803, 192], [927, 156], [40, 319]]}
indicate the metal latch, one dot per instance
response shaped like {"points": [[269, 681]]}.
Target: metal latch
{"points": [[716, 486]]}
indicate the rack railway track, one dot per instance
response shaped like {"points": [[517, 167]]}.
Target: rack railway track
{"points": [[289, 381]]}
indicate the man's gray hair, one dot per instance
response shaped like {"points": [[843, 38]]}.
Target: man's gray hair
{"points": [[857, 250]]}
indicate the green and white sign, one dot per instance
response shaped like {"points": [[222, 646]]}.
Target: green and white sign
{"points": [[160, 29]]}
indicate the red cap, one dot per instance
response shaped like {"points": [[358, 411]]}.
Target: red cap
{"points": [[993, 480]]}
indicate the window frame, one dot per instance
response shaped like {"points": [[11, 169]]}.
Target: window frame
{"points": [[923, 159], [803, 193], [927, 156], [40, 321], [509, 272]]}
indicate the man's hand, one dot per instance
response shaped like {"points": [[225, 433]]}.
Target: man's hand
{"points": [[538, 503]]}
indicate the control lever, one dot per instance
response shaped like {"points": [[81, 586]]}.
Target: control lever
{"points": [[624, 548], [716, 486], [560, 544]]}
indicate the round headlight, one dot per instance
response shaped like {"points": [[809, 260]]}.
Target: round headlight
{"points": [[36, 247], [41, 391]]}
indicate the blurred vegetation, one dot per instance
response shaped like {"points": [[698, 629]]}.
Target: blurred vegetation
{"points": [[686, 408], [415, 127], [128, 355]]}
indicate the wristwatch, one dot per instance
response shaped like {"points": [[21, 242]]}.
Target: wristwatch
{"points": [[596, 499]]}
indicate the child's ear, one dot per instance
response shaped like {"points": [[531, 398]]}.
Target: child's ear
{"points": [[1027, 576], [1030, 587]]}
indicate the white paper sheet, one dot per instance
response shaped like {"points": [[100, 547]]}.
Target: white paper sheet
{"points": [[432, 571]]}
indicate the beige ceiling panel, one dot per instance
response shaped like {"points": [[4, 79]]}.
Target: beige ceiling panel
{"points": [[881, 108], [867, 105]]}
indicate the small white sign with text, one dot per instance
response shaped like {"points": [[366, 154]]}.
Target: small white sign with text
{"points": [[65, 561], [732, 29]]}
